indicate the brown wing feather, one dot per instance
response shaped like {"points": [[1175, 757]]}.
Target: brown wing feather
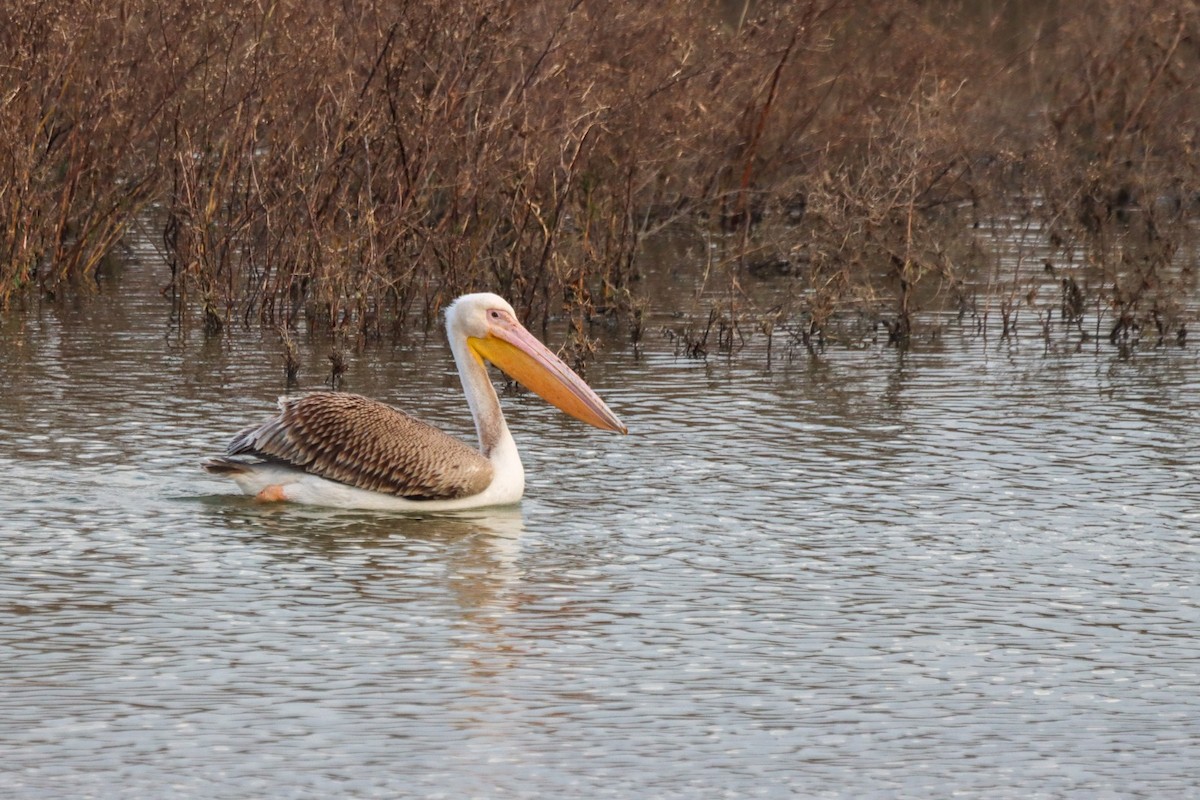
{"points": [[364, 443]]}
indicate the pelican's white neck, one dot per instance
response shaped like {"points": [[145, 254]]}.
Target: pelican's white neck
{"points": [[495, 441]]}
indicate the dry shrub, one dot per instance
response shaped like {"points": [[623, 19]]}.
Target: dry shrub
{"points": [[1118, 169], [877, 145], [355, 166], [72, 172], [401, 160], [962, 134]]}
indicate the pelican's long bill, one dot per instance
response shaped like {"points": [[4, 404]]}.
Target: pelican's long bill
{"points": [[529, 362]]}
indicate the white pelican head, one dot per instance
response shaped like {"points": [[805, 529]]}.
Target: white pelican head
{"points": [[489, 327]]}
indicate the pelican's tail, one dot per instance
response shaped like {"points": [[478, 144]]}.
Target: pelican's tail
{"points": [[227, 466]]}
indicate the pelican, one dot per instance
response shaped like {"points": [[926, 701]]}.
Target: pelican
{"points": [[343, 450]]}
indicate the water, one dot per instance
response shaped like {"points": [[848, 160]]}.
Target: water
{"points": [[968, 569]]}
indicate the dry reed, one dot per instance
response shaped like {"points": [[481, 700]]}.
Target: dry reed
{"points": [[353, 167]]}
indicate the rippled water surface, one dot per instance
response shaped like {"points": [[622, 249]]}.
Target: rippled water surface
{"points": [[968, 569]]}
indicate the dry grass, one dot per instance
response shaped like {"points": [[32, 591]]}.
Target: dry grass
{"points": [[353, 167]]}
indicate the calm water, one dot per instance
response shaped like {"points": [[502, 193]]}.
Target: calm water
{"points": [[970, 569]]}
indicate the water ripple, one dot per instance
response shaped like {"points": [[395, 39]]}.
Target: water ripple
{"points": [[965, 571]]}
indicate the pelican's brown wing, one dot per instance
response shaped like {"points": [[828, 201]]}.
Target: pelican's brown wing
{"points": [[363, 443]]}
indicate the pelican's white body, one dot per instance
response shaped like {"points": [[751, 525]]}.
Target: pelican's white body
{"points": [[298, 486]]}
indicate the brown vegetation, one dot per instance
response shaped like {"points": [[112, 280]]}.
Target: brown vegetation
{"points": [[354, 166]]}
